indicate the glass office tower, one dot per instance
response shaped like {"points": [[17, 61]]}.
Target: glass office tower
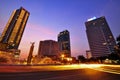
{"points": [[64, 43], [100, 37]]}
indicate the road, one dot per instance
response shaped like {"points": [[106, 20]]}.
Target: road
{"points": [[61, 72]]}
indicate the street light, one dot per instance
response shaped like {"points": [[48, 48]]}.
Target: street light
{"points": [[69, 59], [62, 55]]}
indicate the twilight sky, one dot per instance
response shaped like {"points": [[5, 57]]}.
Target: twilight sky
{"points": [[49, 17]]}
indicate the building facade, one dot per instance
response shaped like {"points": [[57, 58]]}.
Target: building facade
{"points": [[100, 37], [88, 54], [14, 29], [64, 43], [48, 48]]}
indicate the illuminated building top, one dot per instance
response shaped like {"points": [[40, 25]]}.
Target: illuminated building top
{"points": [[93, 18], [64, 42], [100, 37]]}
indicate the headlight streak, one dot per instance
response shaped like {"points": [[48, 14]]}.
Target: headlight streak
{"points": [[103, 69], [98, 67]]}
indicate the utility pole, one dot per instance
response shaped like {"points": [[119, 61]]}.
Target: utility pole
{"points": [[30, 53]]}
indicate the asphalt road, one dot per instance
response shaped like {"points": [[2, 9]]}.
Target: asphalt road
{"points": [[59, 73]]}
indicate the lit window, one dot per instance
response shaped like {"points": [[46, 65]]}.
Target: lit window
{"points": [[94, 23], [110, 36]]}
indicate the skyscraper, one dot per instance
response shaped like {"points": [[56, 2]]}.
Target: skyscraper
{"points": [[64, 43], [14, 29], [48, 48], [100, 37]]}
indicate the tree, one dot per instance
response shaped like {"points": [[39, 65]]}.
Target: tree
{"points": [[118, 41], [113, 56], [117, 48], [81, 58], [93, 60], [101, 58]]}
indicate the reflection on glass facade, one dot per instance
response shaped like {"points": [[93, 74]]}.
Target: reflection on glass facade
{"points": [[14, 29], [64, 43], [100, 37]]}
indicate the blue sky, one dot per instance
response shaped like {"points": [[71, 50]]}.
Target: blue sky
{"points": [[49, 17]]}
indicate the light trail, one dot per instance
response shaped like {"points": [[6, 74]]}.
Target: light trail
{"points": [[115, 69], [103, 68], [107, 70], [99, 67], [90, 65]]}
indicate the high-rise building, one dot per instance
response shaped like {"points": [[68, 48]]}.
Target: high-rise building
{"points": [[14, 29], [48, 48], [88, 54], [64, 43], [100, 37]]}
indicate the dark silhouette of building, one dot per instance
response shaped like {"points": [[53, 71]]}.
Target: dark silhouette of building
{"points": [[88, 54], [64, 43], [14, 29], [30, 56], [100, 37], [48, 48]]}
